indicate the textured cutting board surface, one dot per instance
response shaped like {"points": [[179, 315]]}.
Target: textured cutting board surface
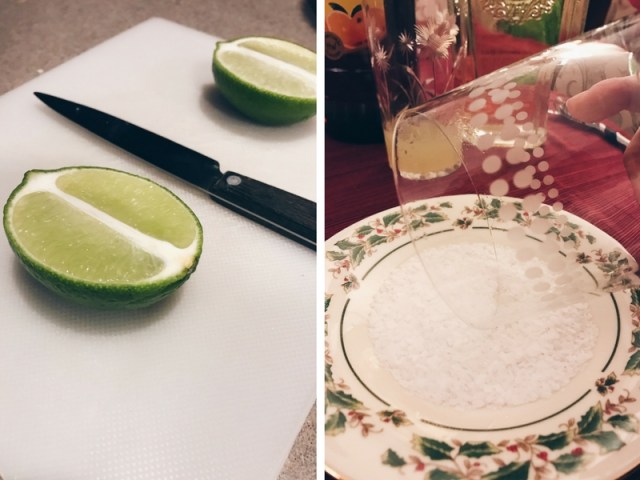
{"points": [[216, 381]]}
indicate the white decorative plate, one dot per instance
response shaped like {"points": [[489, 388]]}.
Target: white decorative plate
{"points": [[376, 429]]}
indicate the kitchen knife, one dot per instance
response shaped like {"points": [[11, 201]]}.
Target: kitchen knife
{"points": [[290, 215]]}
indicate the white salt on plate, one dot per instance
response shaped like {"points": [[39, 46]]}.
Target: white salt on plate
{"points": [[535, 350]]}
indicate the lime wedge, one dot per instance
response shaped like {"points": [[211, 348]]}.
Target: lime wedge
{"points": [[270, 80], [102, 237]]}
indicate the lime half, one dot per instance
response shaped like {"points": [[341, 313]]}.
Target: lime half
{"points": [[102, 237], [270, 80]]}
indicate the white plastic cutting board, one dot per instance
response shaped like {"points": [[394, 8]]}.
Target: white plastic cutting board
{"points": [[213, 383]]}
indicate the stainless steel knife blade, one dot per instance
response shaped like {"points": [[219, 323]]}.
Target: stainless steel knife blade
{"points": [[290, 215]]}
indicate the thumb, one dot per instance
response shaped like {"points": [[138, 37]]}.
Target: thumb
{"points": [[606, 98]]}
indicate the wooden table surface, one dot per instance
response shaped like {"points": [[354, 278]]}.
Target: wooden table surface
{"points": [[358, 183]]}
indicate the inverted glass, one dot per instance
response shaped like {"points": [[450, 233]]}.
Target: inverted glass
{"points": [[535, 168]]}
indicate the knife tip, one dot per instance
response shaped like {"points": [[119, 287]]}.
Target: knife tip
{"points": [[40, 95], [46, 99], [43, 96]]}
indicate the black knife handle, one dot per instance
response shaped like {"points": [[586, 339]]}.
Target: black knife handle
{"points": [[286, 213]]}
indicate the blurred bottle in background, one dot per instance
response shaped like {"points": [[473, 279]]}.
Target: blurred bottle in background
{"points": [[351, 108]]}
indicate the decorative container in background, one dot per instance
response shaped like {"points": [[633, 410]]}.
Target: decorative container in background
{"points": [[351, 109], [505, 31]]}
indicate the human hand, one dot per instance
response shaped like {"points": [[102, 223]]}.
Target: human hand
{"points": [[607, 98]]}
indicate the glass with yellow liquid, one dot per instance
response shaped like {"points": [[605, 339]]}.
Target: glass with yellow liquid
{"points": [[418, 52], [421, 148]]}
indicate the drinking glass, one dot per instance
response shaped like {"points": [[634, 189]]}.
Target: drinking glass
{"points": [[540, 149], [418, 51]]}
